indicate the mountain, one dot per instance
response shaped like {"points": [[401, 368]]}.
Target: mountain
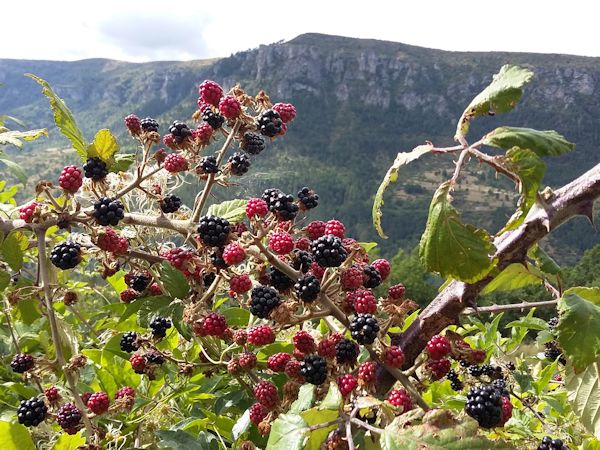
{"points": [[359, 102]]}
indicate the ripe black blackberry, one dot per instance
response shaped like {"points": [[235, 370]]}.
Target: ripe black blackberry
{"points": [[154, 357], [208, 164], [553, 322], [270, 196], [239, 163], [285, 208], [346, 352], [214, 230], [500, 386], [552, 444], [252, 143], [262, 301], [364, 328], [208, 279], [314, 369], [170, 204], [490, 370], [279, 280], [484, 404], [66, 255], [129, 342], [308, 288], [68, 416], [215, 120], [455, 382], [269, 123], [95, 169], [108, 211], [302, 260], [140, 281], [32, 412], [149, 124], [159, 326], [180, 131], [554, 352], [372, 277], [308, 199], [22, 362], [328, 251], [216, 258]]}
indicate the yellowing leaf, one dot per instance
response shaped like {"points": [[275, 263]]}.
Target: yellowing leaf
{"points": [[105, 146]]}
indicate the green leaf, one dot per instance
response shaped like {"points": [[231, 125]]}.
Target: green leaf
{"points": [[232, 210], [529, 322], [69, 442], [174, 281], [176, 439], [514, 276], [579, 326], [63, 118], [316, 416], [530, 169], [501, 95], [543, 260], [241, 425], [333, 400], [15, 168], [306, 397], [14, 137], [105, 146], [584, 396], [117, 281], [237, 317], [542, 143], [4, 280], [14, 436], [544, 377], [122, 162], [451, 248], [288, 432], [368, 246], [391, 177], [11, 251]]}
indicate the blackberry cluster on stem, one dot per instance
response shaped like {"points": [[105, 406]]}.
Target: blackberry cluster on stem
{"points": [[170, 204], [308, 288], [159, 326], [66, 255], [308, 198], [32, 412], [149, 124], [129, 342], [239, 163], [269, 123], [252, 143], [214, 231], [328, 251], [364, 328], [108, 211]]}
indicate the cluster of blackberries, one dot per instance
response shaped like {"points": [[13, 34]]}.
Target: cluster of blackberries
{"points": [[170, 204], [281, 204], [214, 231], [308, 288], [215, 120], [208, 164], [32, 412], [308, 199], [269, 123], [328, 251], [485, 369], [364, 328], [553, 352], [22, 362], [149, 124], [455, 383], [551, 444], [180, 131], [66, 255], [129, 342], [159, 326], [314, 369], [95, 169], [108, 211], [252, 143], [239, 163], [263, 300]]}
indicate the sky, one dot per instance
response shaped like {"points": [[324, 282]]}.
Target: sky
{"points": [[148, 30]]}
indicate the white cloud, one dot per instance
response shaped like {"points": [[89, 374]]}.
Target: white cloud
{"points": [[151, 29]]}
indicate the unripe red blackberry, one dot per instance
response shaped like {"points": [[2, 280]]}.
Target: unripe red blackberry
{"points": [[252, 143], [108, 211], [239, 163], [126, 395], [286, 111], [170, 141], [326, 348], [22, 362], [175, 162], [257, 413], [133, 124], [256, 207], [328, 251], [266, 394], [352, 278], [372, 277], [240, 283], [68, 416], [210, 92], [302, 244], [31, 412], [71, 179], [317, 270], [170, 204], [393, 356], [233, 254], [26, 212], [314, 369], [335, 227], [438, 368], [308, 199], [109, 241], [66, 255], [202, 133], [85, 397], [261, 335], [364, 302], [240, 337], [367, 372], [315, 229], [346, 352], [438, 347], [278, 361], [308, 288], [214, 324], [292, 368], [347, 383], [138, 363], [230, 107], [397, 291], [263, 300], [281, 242], [247, 360], [383, 267], [128, 295], [95, 169], [214, 231], [52, 395], [400, 399], [364, 328], [182, 259], [507, 409], [269, 123], [304, 342], [98, 402], [233, 366]]}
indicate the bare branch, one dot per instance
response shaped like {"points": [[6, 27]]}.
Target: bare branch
{"points": [[493, 309]]}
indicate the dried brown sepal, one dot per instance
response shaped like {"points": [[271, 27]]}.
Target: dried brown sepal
{"points": [[263, 101]]}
